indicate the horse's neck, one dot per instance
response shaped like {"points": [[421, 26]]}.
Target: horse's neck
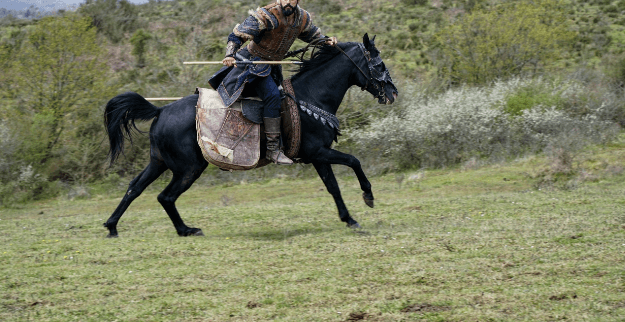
{"points": [[325, 86]]}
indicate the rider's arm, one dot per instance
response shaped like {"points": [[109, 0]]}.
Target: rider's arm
{"points": [[312, 32], [252, 28]]}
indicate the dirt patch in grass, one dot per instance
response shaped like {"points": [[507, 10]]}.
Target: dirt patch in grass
{"points": [[561, 297], [424, 307], [358, 316], [252, 305]]}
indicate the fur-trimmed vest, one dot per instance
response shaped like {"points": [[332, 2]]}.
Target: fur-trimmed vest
{"points": [[275, 43]]}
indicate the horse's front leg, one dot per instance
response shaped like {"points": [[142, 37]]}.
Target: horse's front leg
{"points": [[327, 175], [331, 156]]}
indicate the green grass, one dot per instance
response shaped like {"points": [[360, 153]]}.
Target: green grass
{"points": [[446, 245]]}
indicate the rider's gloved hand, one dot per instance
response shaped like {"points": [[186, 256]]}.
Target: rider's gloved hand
{"points": [[229, 61]]}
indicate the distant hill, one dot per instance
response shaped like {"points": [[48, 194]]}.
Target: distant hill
{"points": [[32, 9]]}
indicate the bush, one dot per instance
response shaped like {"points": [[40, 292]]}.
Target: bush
{"points": [[414, 2], [139, 46], [8, 147], [472, 122], [528, 97], [113, 18], [504, 41]]}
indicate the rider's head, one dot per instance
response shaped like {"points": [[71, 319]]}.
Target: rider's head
{"points": [[288, 6]]}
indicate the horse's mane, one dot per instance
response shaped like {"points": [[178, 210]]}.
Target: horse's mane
{"points": [[320, 57]]}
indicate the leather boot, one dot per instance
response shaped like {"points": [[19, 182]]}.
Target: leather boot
{"points": [[272, 131]]}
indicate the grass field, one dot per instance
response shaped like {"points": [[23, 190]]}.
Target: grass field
{"points": [[488, 243]]}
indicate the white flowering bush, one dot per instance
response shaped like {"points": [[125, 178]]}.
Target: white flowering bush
{"points": [[471, 122]]}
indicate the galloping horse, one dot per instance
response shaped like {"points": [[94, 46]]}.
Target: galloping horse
{"points": [[321, 81]]}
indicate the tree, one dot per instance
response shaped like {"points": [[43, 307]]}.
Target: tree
{"points": [[59, 78], [113, 18], [139, 42], [503, 40]]}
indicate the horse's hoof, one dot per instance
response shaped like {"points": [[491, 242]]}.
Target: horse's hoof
{"points": [[368, 199], [112, 231], [357, 229], [191, 232], [354, 225]]}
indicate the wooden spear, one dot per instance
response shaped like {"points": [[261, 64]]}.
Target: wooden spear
{"points": [[163, 98], [245, 62]]}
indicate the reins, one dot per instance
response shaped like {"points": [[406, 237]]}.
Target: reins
{"points": [[317, 43]]}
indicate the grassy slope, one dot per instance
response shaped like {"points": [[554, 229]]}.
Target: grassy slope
{"points": [[453, 245], [199, 28]]}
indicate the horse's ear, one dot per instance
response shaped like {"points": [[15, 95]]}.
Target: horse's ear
{"points": [[373, 39], [365, 40]]}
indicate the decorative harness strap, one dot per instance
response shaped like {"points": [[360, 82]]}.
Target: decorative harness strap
{"points": [[320, 115], [327, 118]]}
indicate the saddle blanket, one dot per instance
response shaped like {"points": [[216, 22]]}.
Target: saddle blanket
{"points": [[230, 138]]}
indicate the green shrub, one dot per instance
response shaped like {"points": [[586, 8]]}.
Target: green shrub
{"points": [[529, 97], [113, 18], [139, 42], [414, 2], [504, 41]]}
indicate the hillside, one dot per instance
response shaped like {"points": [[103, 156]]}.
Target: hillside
{"points": [[574, 50], [406, 27]]}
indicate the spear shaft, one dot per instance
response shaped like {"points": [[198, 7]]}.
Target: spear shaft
{"points": [[245, 62]]}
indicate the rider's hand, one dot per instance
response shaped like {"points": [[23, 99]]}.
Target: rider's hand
{"points": [[229, 61], [331, 41]]}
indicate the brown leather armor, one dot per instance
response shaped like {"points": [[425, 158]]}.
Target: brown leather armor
{"points": [[276, 43]]}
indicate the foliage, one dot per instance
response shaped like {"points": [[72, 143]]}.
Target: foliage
{"points": [[54, 90], [472, 122], [59, 68], [504, 41], [146, 44], [8, 145], [615, 71], [414, 2], [526, 98], [139, 42], [112, 17]]}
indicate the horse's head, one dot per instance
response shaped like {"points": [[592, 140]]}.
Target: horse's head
{"points": [[374, 76]]}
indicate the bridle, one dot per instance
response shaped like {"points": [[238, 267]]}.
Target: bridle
{"points": [[371, 79], [371, 63]]}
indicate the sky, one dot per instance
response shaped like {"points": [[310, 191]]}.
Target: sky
{"points": [[46, 5]]}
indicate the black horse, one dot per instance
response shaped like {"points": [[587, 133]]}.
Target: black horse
{"points": [[321, 81]]}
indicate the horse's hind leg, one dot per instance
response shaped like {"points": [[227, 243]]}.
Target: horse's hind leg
{"points": [[178, 185], [135, 188], [327, 176]]}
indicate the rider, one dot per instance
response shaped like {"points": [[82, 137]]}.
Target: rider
{"points": [[272, 30]]}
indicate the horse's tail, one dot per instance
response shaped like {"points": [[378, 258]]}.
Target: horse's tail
{"points": [[119, 119]]}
